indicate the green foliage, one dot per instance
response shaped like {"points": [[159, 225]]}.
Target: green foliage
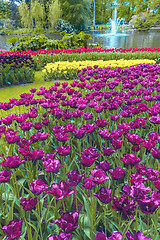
{"points": [[103, 11], [55, 13], [38, 14], [18, 76], [76, 12], [63, 26], [37, 42], [75, 40], [43, 59], [143, 24], [13, 40], [25, 15], [5, 9]]}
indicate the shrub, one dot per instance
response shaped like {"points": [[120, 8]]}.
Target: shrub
{"points": [[63, 26]]}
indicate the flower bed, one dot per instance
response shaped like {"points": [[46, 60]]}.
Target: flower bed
{"points": [[42, 57], [83, 161], [70, 70], [15, 70]]}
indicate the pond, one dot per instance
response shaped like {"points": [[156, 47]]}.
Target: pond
{"points": [[127, 39], [121, 39]]}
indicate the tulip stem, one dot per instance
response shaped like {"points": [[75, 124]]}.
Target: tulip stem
{"points": [[105, 227], [76, 200], [5, 199], [64, 209], [39, 213], [15, 183]]}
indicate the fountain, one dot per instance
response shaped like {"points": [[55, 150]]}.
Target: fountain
{"points": [[114, 37], [114, 22]]}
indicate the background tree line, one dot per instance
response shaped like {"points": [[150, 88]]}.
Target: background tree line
{"points": [[79, 13]]}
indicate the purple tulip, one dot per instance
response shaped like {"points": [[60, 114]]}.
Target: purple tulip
{"points": [[115, 236], [26, 126], [155, 153], [74, 177], [137, 236], [117, 143], [89, 156], [68, 221], [61, 136], [101, 123], [155, 119], [60, 190], [130, 159], [12, 161], [63, 150], [88, 183], [107, 151], [117, 173], [114, 117], [104, 165], [124, 206], [87, 115], [98, 176], [29, 204], [38, 186], [148, 204], [104, 195], [136, 191], [69, 127], [52, 165], [13, 229], [79, 134], [60, 236], [5, 176]]}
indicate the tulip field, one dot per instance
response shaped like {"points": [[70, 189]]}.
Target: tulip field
{"points": [[81, 160]]}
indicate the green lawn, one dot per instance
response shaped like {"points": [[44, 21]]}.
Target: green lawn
{"points": [[14, 92]]}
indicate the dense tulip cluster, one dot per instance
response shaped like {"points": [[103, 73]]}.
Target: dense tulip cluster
{"points": [[83, 161], [16, 61]]}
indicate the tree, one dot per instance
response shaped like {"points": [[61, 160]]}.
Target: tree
{"points": [[25, 15], [77, 12], [38, 14], [55, 12], [126, 9], [155, 10], [103, 10], [5, 9]]}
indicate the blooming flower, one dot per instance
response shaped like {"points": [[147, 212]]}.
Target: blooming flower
{"points": [[98, 176], [155, 153], [29, 204], [104, 195], [5, 175], [107, 151], [60, 190], [38, 186], [115, 236], [124, 206], [117, 173], [60, 236], [12, 161], [130, 159], [74, 177], [136, 236], [63, 150], [89, 156], [13, 229], [52, 165], [68, 221]]}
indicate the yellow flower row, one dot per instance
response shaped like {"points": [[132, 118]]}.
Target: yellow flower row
{"points": [[64, 66]]}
